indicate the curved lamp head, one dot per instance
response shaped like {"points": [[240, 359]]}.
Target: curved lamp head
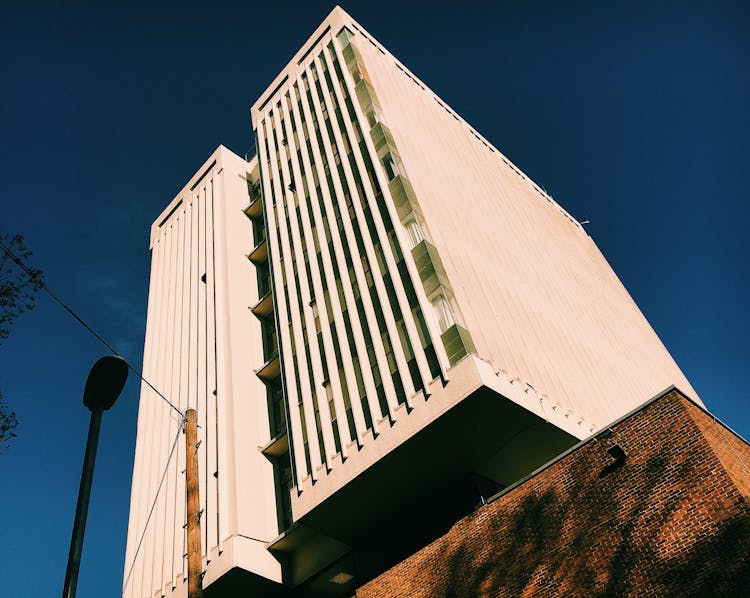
{"points": [[105, 382]]}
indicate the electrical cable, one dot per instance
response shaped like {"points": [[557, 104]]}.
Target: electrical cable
{"points": [[153, 505], [42, 285]]}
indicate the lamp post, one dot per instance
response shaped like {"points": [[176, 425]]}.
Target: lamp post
{"points": [[103, 385]]}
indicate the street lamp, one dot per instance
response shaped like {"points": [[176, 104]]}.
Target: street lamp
{"points": [[104, 384]]}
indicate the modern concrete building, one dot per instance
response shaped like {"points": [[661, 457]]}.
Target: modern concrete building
{"points": [[201, 346], [399, 314]]}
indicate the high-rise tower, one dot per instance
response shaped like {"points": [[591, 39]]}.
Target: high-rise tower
{"points": [[400, 312]]}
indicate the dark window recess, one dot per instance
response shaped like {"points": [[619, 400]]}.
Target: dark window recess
{"points": [[391, 168], [283, 477], [276, 411], [264, 279], [269, 339]]}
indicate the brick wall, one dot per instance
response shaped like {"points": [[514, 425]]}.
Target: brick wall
{"points": [[732, 451], [673, 520]]}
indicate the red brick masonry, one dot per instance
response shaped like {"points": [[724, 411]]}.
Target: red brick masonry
{"points": [[672, 520]]}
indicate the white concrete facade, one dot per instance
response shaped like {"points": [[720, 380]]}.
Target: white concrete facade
{"points": [[390, 265], [541, 302], [200, 342], [490, 262]]}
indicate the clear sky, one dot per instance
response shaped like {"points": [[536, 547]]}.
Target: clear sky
{"points": [[635, 116]]}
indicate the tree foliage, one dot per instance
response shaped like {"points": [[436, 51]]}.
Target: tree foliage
{"points": [[19, 285], [8, 423]]}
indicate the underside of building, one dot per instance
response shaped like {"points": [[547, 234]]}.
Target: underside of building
{"points": [[656, 504]]}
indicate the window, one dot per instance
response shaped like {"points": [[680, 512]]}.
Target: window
{"points": [[345, 36], [414, 232], [332, 410], [284, 485], [443, 312], [277, 415], [391, 167], [373, 115]]}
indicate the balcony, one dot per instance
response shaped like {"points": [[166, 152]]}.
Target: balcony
{"points": [[403, 196], [382, 139], [270, 370], [430, 266], [260, 253], [366, 95], [254, 210], [457, 343], [277, 447], [264, 307]]}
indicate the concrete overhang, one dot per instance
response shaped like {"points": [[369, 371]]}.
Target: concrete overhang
{"points": [[484, 434], [427, 479]]}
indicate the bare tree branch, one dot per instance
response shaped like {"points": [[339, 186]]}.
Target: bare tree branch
{"points": [[19, 285]]}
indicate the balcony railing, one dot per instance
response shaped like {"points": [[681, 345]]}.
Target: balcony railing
{"points": [[270, 370], [429, 266], [278, 445], [457, 343], [259, 254], [264, 307], [255, 209]]}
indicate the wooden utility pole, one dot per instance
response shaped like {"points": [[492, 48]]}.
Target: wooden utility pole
{"points": [[195, 579]]}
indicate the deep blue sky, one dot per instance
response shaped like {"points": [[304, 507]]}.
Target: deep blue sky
{"points": [[634, 116]]}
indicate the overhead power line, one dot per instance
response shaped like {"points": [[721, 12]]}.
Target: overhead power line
{"points": [[42, 285], [153, 506]]}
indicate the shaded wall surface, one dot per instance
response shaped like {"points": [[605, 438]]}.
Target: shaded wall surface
{"points": [[671, 519]]}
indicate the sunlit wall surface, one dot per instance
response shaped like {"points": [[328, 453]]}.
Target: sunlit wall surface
{"points": [[401, 242], [201, 342], [375, 266]]}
